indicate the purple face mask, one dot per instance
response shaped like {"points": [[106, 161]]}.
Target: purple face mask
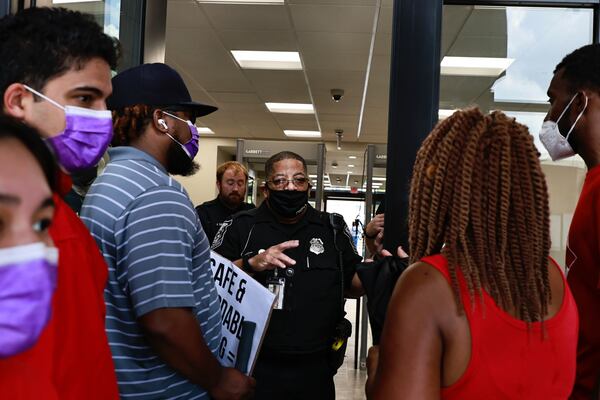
{"points": [[86, 136], [27, 282], [191, 146]]}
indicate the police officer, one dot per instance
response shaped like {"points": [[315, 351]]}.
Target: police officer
{"points": [[232, 178], [289, 247]]}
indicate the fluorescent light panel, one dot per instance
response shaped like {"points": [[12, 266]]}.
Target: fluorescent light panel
{"points": [[474, 66], [352, 157], [287, 60], [291, 108], [241, 1], [205, 130], [443, 113], [305, 134]]}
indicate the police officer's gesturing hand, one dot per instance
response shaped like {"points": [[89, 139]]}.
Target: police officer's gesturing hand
{"points": [[273, 257]]}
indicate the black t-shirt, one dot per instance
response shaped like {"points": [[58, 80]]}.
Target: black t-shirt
{"points": [[312, 301], [213, 213]]}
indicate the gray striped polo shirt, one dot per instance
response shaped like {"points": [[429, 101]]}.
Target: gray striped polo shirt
{"points": [[158, 256]]}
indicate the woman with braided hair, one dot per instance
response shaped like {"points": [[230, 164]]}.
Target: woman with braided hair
{"points": [[482, 312]]}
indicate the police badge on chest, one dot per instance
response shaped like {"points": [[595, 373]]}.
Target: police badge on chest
{"points": [[316, 246]]}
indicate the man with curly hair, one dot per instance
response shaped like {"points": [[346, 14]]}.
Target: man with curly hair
{"points": [[55, 77]]}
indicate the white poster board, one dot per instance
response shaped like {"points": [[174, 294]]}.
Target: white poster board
{"points": [[242, 299]]}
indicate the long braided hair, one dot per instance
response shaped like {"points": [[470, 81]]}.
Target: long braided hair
{"points": [[478, 196]]}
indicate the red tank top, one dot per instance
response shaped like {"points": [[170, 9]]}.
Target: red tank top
{"points": [[508, 361]]}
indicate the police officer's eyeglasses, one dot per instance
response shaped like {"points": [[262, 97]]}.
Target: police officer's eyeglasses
{"points": [[281, 183]]}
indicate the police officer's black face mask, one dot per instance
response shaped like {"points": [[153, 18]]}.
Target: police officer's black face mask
{"points": [[288, 203]]}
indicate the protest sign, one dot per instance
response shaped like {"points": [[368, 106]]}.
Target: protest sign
{"points": [[242, 299]]}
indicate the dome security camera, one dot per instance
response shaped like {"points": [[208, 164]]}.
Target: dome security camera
{"points": [[337, 94]]}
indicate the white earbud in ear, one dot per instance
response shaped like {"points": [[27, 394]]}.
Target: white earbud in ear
{"points": [[162, 123]]}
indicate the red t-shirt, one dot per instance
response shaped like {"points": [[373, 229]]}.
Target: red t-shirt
{"points": [[71, 360], [509, 360], [583, 263]]}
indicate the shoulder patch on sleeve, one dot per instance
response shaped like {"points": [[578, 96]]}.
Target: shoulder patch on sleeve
{"points": [[218, 240]]}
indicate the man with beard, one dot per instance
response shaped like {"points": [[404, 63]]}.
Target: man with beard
{"points": [[294, 251], [163, 318], [232, 178]]}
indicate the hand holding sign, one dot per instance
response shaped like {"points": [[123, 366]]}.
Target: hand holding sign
{"points": [[273, 257], [233, 385], [244, 302]]}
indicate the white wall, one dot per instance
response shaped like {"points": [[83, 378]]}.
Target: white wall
{"points": [[564, 187], [202, 186]]}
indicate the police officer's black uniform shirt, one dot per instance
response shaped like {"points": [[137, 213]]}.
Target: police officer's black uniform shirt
{"points": [[312, 300], [213, 213]]}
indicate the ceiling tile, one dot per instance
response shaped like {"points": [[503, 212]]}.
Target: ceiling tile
{"points": [[279, 86], [185, 14], [335, 61], [385, 22], [235, 97], [259, 40], [333, 18], [335, 42], [383, 44], [247, 17]]}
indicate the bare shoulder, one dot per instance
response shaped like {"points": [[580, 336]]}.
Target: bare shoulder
{"points": [[421, 286], [421, 276]]}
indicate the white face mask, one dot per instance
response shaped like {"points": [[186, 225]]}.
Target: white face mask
{"points": [[558, 145]]}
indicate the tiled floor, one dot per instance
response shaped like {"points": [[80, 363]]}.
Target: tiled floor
{"points": [[350, 382]]}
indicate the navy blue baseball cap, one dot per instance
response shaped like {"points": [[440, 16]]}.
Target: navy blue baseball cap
{"points": [[154, 85]]}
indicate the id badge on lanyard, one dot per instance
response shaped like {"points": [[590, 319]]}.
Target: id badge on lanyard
{"points": [[276, 285]]}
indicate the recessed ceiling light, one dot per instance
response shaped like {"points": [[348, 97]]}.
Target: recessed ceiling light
{"points": [[241, 1], [474, 66], [205, 130], [267, 59], [307, 134], [291, 108], [350, 165], [379, 178], [352, 157], [443, 113], [334, 166]]}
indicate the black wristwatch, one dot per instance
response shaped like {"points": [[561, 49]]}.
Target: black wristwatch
{"points": [[246, 263], [368, 236]]}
